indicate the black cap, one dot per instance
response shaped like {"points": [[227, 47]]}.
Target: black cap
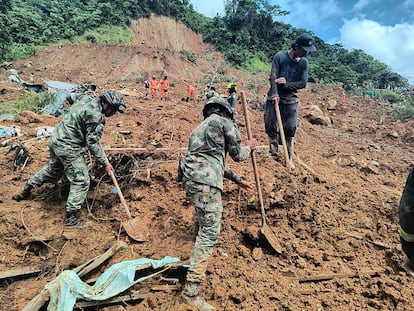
{"points": [[305, 41]]}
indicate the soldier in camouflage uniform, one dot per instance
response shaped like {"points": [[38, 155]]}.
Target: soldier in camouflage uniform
{"points": [[81, 127], [231, 93], [203, 170], [406, 214]]}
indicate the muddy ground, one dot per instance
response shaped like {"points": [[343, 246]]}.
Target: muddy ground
{"points": [[335, 216]]}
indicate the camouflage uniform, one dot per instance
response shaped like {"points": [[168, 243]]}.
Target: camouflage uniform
{"points": [[203, 171], [81, 127], [406, 215], [232, 99]]}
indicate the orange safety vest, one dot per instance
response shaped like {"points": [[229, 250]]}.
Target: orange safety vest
{"points": [[164, 84], [153, 83]]}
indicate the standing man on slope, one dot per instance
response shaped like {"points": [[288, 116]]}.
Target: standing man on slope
{"points": [[231, 93], [153, 86], [203, 171], [147, 87], [190, 91], [81, 127], [164, 85], [288, 74]]}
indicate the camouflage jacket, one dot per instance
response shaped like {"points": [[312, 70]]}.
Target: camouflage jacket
{"points": [[82, 126], [208, 145], [406, 211]]}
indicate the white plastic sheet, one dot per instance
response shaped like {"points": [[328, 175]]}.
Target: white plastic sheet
{"points": [[68, 287]]}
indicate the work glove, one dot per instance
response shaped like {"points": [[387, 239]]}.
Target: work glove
{"points": [[109, 168]]}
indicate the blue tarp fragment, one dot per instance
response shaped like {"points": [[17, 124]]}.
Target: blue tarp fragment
{"points": [[67, 287], [61, 89]]}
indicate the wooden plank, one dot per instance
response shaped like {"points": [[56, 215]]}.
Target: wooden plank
{"points": [[37, 302], [120, 299], [18, 273]]}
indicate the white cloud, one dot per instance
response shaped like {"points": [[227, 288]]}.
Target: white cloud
{"points": [[392, 45]]}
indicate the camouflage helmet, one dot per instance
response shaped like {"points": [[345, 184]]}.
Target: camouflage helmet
{"points": [[216, 104], [114, 99]]}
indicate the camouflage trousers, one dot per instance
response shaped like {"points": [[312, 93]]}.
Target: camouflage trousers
{"points": [[232, 100], [208, 212], [72, 164], [406, 216]]}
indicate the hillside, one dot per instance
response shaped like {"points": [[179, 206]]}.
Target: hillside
{"points": [[335, 215]]}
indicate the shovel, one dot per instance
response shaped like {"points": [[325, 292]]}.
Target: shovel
{"points": [[265, 230], [135, 230], [289, 164]]}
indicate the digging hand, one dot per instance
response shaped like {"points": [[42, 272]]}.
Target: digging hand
{"points": [[244, 184], [275, 100], [251, 143], [109, 168], [281, 80]]}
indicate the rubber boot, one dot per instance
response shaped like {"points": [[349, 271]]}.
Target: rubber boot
{"points": [[73, 221], [192, 298], [290, 143], [24, 194], [408, 266], [273, 147]]}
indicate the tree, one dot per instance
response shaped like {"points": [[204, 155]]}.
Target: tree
{"points": [[5, 38]]}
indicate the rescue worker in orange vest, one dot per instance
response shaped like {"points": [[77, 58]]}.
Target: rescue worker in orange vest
{"points": [[190, 91], [153, 87], [164, 85]]}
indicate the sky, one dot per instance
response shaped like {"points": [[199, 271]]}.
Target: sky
{"points": [[383, 29]]}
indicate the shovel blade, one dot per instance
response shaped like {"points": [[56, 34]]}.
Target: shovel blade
{"points": [[270, 237], [136, 231]]}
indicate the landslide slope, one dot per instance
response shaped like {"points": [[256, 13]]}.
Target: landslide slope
{"points": [[335, 215]]}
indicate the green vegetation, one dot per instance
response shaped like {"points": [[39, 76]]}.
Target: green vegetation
{"points": [[392, 97], [29, 101], [403, 110], [106, 34], [256, 65], [188, 55], [249, 34]]}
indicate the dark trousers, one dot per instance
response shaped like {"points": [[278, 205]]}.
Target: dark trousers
{"points": [[289, 115]]}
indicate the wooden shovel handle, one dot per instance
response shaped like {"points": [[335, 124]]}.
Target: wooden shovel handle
{"points": [[121, 196], [254, 161], [282, 135]]}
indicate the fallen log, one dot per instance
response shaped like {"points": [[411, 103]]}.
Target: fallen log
{"points": [[327, 277], [18, 273], [37, 302]]}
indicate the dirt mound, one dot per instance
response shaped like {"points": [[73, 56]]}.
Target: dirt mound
{"points": [[335, 215]]}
